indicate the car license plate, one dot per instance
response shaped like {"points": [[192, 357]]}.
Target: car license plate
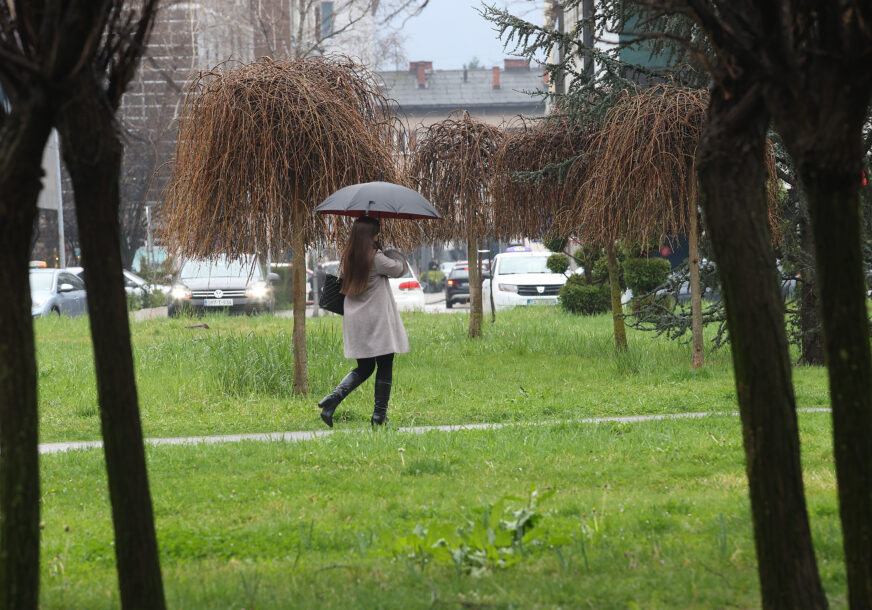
{"points": [[538, 301], [218, 302]]}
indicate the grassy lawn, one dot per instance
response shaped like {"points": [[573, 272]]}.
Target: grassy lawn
{"points": [[650, 515], [236, 376], [647, 515]]}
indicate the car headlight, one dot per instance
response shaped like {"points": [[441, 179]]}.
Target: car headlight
{"points": [[257, 291], [508, 287], [37, 301], [180, 291]]}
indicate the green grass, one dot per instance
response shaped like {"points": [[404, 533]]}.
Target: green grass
{"points": [[236, 376], [648, 515]]}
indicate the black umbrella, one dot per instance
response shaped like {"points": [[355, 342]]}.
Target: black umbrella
{"points": [[378, 200]]}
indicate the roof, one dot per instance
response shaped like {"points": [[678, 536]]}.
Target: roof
{"points": [[446, 90]]}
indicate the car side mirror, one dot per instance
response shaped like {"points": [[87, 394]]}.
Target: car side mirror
{"points": [[273, 277], [65, 288]]}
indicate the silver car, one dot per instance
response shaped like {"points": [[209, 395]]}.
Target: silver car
{"points": [[231, 285], [56, 291]]}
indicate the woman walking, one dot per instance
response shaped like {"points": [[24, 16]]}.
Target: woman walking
{"points": [[371, 328]]}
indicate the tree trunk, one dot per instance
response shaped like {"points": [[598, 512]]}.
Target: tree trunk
{"points": [[698, 358], [92, 153], [298, 258], [23, 140], [732, 177], [834, 203], [475, 309], [617, 308]]}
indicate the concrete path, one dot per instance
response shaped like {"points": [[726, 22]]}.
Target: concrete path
{"points": [[305, 435]]}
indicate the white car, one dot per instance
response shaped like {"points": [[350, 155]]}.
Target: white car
{"points": [[407, 292], [406, 289], [522, 278]]}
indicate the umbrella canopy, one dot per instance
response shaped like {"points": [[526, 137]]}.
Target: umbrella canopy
{"points": [[378, 200]]}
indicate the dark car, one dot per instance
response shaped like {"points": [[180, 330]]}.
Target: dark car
{"points": [[230, 285], [457, 287]]}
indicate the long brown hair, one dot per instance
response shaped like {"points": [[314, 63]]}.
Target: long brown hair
{"points": [[358, 255]]}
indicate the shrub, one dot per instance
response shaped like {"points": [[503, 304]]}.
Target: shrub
{"points": [[433, 280], [601, 271], [555, 244], [643, 275], [558, 263], [580, 298], [134, 302]]}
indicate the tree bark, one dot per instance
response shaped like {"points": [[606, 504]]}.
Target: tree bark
{"points": [[23, 139], [475, 305], [92, 152], [298, 258], [698, 358], [617, 309], [732, 177], [834, 203], [811, 339]]}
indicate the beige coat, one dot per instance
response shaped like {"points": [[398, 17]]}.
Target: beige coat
{"points": [[371, 324]]}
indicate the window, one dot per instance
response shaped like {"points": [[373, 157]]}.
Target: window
{"points": [[326, 19]]}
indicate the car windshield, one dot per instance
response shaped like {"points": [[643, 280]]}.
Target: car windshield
{"points": [[523, 264], [40, 282], [459, 274], [201, 269]]}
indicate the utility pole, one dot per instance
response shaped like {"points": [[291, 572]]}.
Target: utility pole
{"points": [[62, 246]]}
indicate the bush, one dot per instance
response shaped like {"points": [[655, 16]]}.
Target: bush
{"points": [[558, 263], [580, 298], [555, 244], [643, 275], [601, 271], [434, 281]]}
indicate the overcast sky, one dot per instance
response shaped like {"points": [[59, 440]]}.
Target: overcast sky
{"points": [[450, 33]]}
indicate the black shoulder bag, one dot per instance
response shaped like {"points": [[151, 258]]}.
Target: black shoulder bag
{"points": [[331, 298]]}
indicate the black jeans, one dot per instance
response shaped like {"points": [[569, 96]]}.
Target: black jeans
{"points": [[385, 362]]}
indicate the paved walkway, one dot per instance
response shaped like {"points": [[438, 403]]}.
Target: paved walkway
{"points": [[305, 435]]}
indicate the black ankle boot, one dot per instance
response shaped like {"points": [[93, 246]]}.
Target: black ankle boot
{"points": [[382, 396], [329, 403]]}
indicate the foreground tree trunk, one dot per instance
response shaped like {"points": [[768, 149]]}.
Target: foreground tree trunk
{"points": [[811, 339], [732, 177], [92, 153], [617, 309], [23, 139], [475, 304], [832, 183], [698, 358], [298, 257]]}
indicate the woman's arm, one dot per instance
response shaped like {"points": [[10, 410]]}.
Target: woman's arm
{"points": [[390, 263]]}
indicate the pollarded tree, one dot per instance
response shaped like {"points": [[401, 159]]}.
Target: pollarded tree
{"points": [[259, 147], [67, 63], [451, 165], [92, 148], [801, 65], [40, 49]]}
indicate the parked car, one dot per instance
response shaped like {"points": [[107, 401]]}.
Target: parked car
{"points": [[231, 285], [133, 284], [522, 278], [457, 286], [446, 267], [56, 291], [407, 291]]}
